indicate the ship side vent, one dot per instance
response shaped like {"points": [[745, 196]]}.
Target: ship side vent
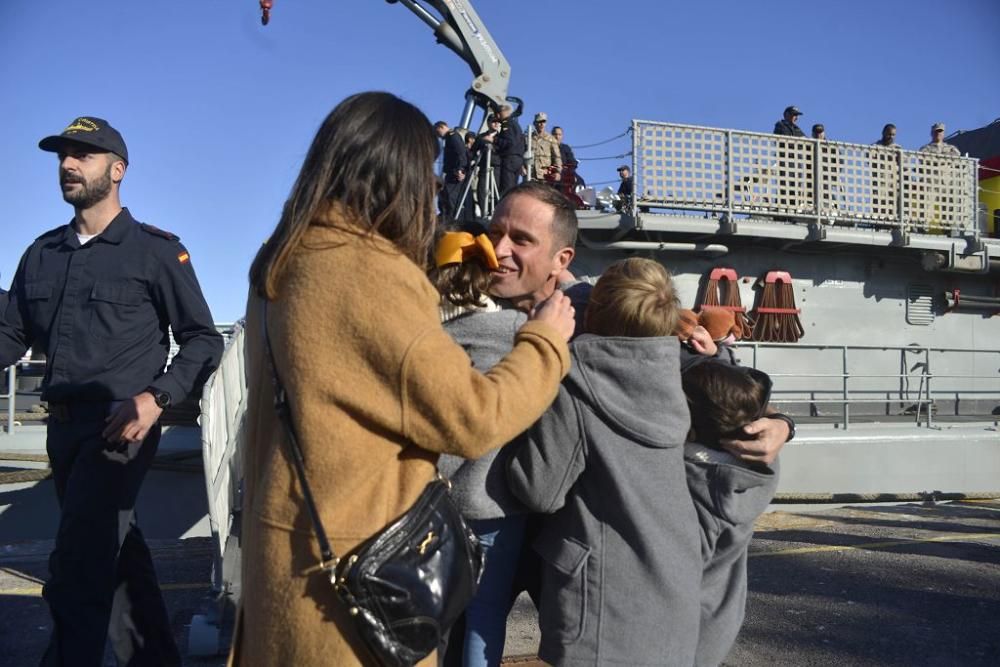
{"points": [[919, 305]]}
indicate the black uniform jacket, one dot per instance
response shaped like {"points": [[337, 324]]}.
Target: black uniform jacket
{"points": [[456, 156], [567, 155], [100, 313], [510, 144], [788, 128]]}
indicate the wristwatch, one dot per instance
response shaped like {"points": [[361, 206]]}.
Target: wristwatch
{"points": [[785, 418], [161, 397]]}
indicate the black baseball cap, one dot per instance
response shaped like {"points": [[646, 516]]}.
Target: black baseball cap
{"points": [[91, 131], [793, 111]]}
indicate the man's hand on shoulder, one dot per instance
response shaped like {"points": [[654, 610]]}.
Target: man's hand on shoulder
{"points": [[767, 437]]}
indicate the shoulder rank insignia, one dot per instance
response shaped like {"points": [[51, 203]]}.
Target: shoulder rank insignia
{"points": [[184, 257], [156, 231]]}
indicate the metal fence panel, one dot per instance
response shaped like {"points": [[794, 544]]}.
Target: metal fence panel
{"points": [[688, 167]]}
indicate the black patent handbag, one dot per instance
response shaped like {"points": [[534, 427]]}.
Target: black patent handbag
{"points": [[407, 584]]}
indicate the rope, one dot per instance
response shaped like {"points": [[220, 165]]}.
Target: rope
{"points": [[881, 497], [21, 476], [172, 462], [606, 141], [609, 157], [771, 327], [713, 297]]}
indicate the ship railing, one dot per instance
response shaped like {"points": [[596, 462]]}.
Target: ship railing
{"points": [[227, 330], [223, 409], [12, 422], [915, 386], [733, 173]]}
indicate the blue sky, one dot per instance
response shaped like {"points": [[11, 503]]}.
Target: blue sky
{"points": [[218, 111]]}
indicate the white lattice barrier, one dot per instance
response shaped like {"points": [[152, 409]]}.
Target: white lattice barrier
{"points": [[687, 167], [939, 191], [223, 405], [772, 173], [677, 164]]}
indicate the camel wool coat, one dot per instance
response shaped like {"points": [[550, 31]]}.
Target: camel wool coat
{"points": [[377, 390]]}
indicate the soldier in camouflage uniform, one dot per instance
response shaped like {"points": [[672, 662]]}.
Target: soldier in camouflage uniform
{"points": [[938, 144], [545, 149], [941, 180]]}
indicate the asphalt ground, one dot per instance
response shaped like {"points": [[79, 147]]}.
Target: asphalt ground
{"points": [[875, 585]]}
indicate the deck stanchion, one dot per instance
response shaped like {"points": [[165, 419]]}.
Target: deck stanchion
{"points": [[11, 395], [847, 404]]}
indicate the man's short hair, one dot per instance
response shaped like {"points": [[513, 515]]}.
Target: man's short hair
{"points": [[440, 124], [634, 297], [887, 127], [564, 222], [723, 399]]}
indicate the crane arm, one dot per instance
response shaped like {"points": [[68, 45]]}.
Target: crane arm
{"points": [[459, 27]]}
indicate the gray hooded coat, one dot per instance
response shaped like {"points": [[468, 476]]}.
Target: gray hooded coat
{"points": [[621, 545]]}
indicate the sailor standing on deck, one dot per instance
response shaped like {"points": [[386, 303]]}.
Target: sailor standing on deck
{"points": [[96, 296]]}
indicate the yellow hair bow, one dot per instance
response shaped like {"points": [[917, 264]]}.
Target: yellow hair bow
{"points": [[458, 247]]}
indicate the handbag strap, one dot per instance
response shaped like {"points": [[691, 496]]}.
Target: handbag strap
{"points": [[285, 416]]}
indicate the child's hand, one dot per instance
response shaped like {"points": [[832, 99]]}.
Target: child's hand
{"points": [[702, 343], [556, 311]]}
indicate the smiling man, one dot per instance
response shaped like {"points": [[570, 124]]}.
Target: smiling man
{"points": [[534, 234], [97, 296]]}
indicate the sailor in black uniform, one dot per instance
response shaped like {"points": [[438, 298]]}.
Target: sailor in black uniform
{"points": [[787, 125], [510, 146], [97, 296]]}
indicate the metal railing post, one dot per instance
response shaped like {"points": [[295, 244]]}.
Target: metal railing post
{"points": [[730, 185], [635, 174], [899, 190], [11, 395], [927, 371], [817, 181], [847, 405], [975, 199]]}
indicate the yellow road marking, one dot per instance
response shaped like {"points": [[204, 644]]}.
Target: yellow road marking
{"points": [[36, 591], [962, 537]]}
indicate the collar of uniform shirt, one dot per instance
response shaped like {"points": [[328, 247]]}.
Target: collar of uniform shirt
{"points": [[113, 233]]}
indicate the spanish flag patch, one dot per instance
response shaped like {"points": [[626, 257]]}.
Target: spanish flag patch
{"points": [[183, 257]]}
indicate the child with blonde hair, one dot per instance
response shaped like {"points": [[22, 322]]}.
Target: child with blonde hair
{"points": [[620, 543]]}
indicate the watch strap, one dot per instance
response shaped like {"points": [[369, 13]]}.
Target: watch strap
{"points": [[785, 418]]}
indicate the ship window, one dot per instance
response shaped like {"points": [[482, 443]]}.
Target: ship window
{"points": [[919, 305]]}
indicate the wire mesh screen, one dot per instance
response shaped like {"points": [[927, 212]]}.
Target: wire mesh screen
{"points": [[680, 165], [938, 191], [773, 173], [688, 167]]}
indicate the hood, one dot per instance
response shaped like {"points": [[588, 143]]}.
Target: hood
{"points": [[633, 384]]}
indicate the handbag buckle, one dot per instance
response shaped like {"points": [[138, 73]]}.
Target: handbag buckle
{"points": [[442, 478]]}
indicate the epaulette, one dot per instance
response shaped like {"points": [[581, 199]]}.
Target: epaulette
{"points": [[156, 231]]}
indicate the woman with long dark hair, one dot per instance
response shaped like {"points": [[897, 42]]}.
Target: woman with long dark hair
{"points": [[377, 388]]}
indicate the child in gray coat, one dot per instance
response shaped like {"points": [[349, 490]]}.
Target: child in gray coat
{"points": [[620, 544], [729, 494]]}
